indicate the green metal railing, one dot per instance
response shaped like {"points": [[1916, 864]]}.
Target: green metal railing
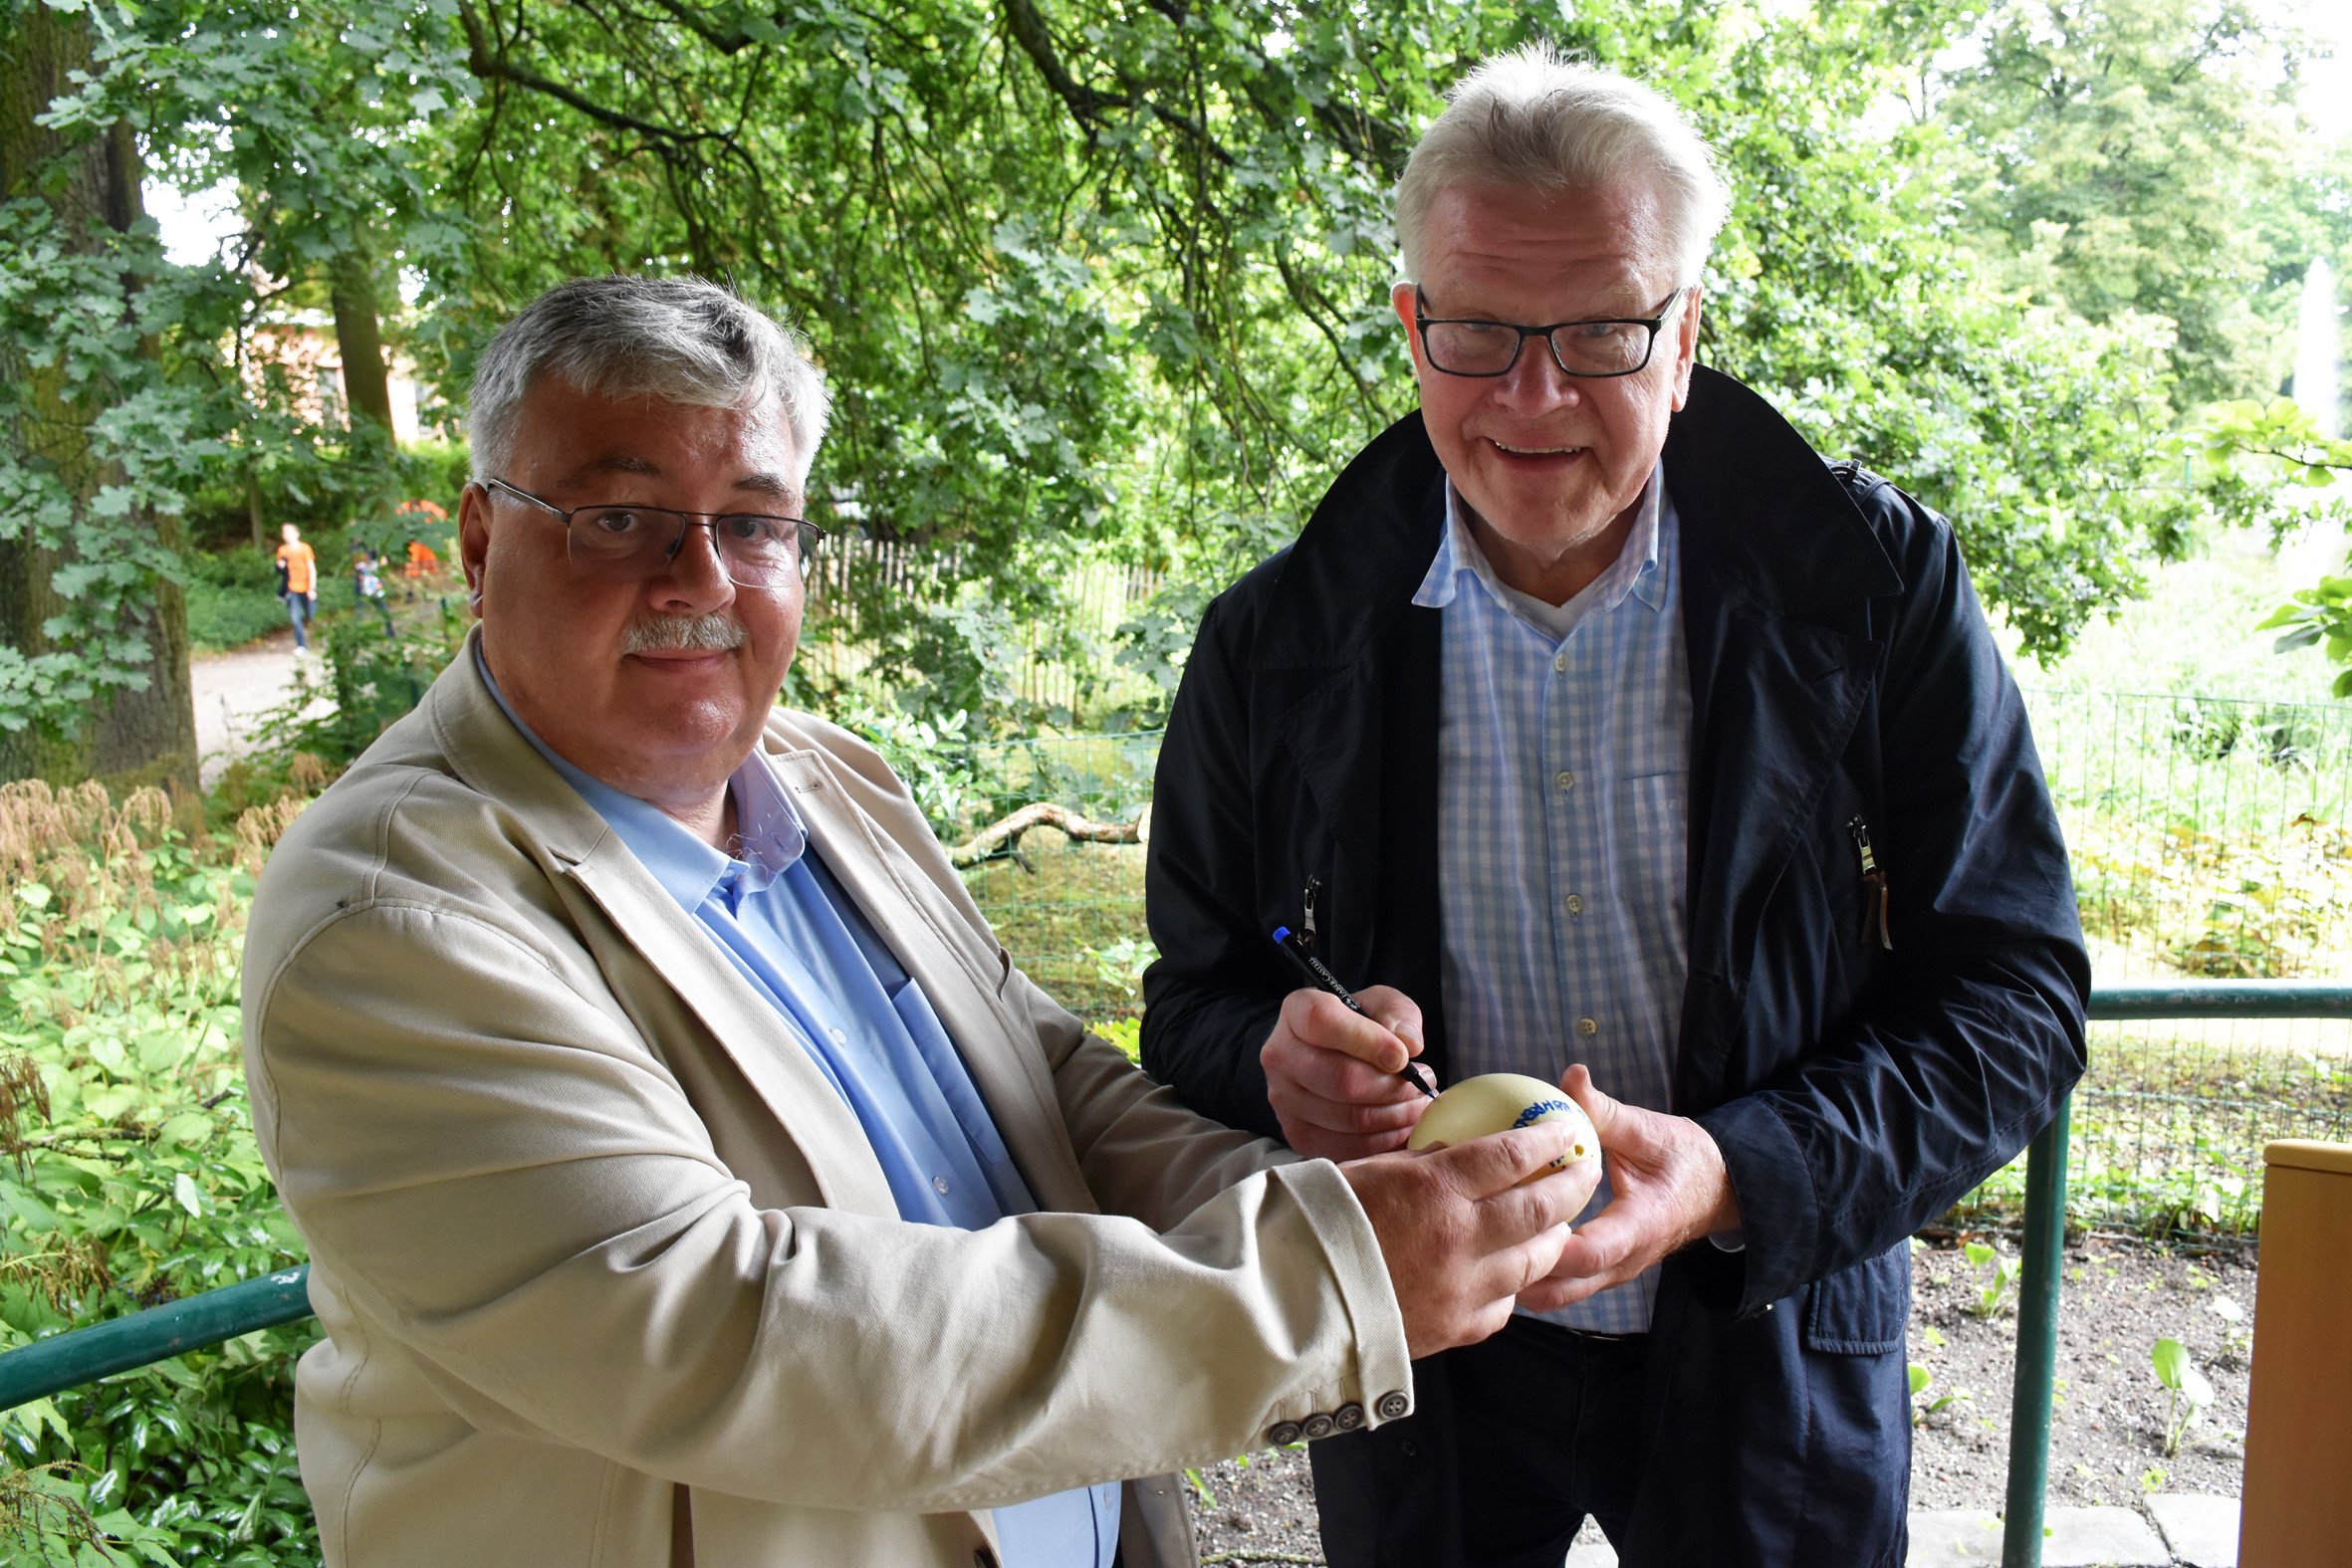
{"points": [[84, 1355], [2045, 1225], [65, 1361]]}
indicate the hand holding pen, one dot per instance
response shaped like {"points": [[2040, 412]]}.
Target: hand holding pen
{"points": [[1324, 980], [1332, 1071]]}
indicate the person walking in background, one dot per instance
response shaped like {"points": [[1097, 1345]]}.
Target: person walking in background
{"points": [[367, 583], [298, 583]]}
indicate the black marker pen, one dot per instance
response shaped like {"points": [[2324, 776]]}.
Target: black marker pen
{"points": [[1325, 980]]}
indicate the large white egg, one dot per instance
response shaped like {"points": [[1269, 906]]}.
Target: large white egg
{"points": [[1496, 1102]]}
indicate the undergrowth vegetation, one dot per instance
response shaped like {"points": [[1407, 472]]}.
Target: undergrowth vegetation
{"points": [[129, 1177]]}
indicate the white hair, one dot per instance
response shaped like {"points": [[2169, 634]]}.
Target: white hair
{"points": [[681, 339], [1532, 120]]}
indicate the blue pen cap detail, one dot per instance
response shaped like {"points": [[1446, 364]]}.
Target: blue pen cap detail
{"points": [[1281, 933]]}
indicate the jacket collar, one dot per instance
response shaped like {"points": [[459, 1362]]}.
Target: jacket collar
{"points": [[1754, 500]]}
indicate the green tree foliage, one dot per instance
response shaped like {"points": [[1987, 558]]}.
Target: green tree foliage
{"points": [[97, 435], [2138, 156]]}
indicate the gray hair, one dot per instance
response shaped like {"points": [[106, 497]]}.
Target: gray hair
{"points": [[681, 339], [1533, 120]]}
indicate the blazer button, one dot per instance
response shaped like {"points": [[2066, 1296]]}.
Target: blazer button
{"points": [[1315, 1426], [1348, 1416], [1393, 1405], [1283, 1434]]}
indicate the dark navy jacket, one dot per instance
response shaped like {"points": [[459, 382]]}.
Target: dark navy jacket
{"points": [[1840, 668]]}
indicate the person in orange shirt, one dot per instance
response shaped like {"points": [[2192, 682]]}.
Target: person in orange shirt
{"points": [[298, 583], [422, 564]]}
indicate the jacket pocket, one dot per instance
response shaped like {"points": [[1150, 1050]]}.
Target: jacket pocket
{"points": [[1861, 1311]]}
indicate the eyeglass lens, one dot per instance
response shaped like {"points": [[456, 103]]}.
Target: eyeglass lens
{"points": [[1583, 347], [631, 540]]}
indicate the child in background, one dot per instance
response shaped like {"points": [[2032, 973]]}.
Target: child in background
{"points": [[367, 583]]}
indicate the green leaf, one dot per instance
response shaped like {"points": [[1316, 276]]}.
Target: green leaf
{"points": [[190, 1195], [1920, 1378], [2171, 1358]]}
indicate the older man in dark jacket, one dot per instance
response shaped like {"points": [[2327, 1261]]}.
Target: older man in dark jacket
{"points": [[1609, 728]]}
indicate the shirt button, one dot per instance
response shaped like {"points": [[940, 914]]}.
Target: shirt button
{"points": [[1575, 905], [939, 1183], [1561, 661], [1564, 781], [838, 1038], [1587, 1026]]}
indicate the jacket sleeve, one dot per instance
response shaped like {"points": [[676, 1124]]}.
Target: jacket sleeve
{"points": [[511, 1188], [1212, 997], [1971, 1029]]}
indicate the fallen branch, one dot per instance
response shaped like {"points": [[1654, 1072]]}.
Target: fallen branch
{"points": [[1045, 814]]}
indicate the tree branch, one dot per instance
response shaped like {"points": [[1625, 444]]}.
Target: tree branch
{"points": [[1046, 813]]}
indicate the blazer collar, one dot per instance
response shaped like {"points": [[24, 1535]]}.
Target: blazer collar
{"points": [[490, 754]]}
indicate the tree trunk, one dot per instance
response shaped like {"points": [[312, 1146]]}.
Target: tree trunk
{"points": [[367, 387], [136, 737]]}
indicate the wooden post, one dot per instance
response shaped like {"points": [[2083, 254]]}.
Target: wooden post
{"points": [[2297, 1509]]}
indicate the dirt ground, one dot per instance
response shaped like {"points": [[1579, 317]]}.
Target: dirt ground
{"points": [[2108, 1429]]}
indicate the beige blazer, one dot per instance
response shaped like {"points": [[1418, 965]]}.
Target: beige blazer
{"points": [[609, 1272]]}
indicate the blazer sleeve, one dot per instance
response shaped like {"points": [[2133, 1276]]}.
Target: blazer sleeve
{"points": [[1972, 1030], [501, 1175]]}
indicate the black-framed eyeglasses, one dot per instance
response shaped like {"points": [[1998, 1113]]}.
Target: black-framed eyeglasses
{"points": [[1611, 345], [757, 550]]}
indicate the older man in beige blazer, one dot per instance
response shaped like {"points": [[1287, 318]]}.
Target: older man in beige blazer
{"points": [[610, 1269]]}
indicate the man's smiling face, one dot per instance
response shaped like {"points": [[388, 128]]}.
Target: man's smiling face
{"points": [[1552, 464], [591, 662]]}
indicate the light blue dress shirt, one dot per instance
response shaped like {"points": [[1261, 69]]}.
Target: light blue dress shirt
{"points": [[1563, 788], [789, 929]]}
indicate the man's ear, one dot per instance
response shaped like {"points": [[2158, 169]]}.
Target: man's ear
{"points": [[1403, 297], [1686, 346], [473, 543]]}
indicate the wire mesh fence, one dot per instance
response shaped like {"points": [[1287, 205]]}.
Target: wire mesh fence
{"points": [[2210, 837], [1070, 912]]}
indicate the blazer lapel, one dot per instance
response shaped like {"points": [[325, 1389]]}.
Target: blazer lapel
{"points": [[744, 1023], [491, 755], [935, 943]]}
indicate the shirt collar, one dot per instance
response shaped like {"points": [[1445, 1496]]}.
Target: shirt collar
{"points": [[1634, 571], [768, 828]]}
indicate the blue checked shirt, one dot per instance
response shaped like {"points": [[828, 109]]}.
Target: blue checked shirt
{"points": [[1563, 786]]}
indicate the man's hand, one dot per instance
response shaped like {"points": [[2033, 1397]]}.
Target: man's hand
{"points": [[1461, 1237], [1667, 1189], [1331, 1073]]}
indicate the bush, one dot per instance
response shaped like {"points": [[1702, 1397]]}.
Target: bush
{"points": [[131, 1179]]}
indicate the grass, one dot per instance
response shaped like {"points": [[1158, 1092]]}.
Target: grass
{"points": [[1073, 920]]}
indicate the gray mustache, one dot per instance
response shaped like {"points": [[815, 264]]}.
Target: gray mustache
{"points": [[658, 634]]}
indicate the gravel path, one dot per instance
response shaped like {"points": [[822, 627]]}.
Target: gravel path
{"points": [[2107, 1439]]}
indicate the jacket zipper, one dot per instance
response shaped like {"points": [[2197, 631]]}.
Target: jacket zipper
{"points": [[1874, 877], [1314, 885]]}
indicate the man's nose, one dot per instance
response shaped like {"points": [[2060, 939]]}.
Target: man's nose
{"points": [[1537, 382], [695, 577]]}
